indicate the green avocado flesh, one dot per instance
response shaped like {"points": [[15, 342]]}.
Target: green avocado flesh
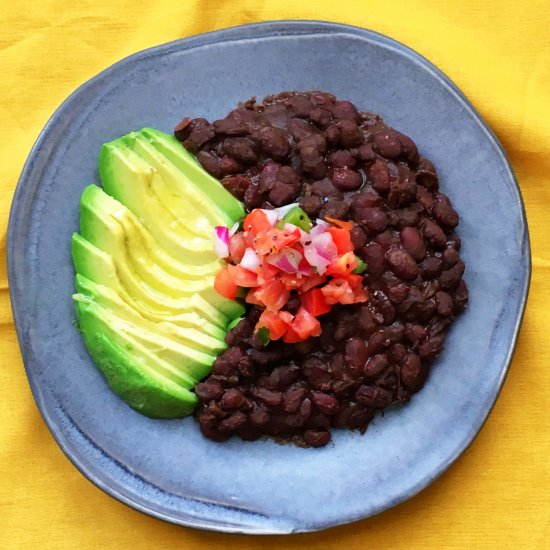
{"points": [[145, 267]]}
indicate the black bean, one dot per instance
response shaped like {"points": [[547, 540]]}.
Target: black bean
{"points": [[292, 399], [208, 390], [461, 297], [444, 303], [346, 179], [444, 213], [316, 438], [299, 128], [345, 110], [433, 233], [451, 277], [241, 149], [413, 375], [358, 237], [356, 354], [350, 134], [281, 377], [413, 243], [213, 434], [300, 105], [326, 403], [183, 129], [379, 176], [232, 399], [342, 158], [431, 267], [252, 197], [282, 193], [402, 263], [258, 416], [273, 141], [375, 366], [232, 423], [386, 143], [373, 396], [211, 163], [364, 152], [311, 205], [426, 175], [335, 209], [375, 259], [321, 117]]}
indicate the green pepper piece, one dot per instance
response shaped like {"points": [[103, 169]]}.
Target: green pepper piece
{"points": [[297, 217], [263, 334], [361, 266]]}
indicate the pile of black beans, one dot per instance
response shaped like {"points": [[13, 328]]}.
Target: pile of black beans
{"points": [[338, 162]]}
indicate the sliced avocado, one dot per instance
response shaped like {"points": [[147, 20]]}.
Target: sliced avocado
{"points": [[184, 198], [180, 363], [172, 149], [140, 386], [99, 320], [140, 240], [108, 235], [147, 282], [98, 266], [130, 180], [198, 337]]}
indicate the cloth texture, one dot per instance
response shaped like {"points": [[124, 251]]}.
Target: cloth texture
{"points": [[498, 53]]}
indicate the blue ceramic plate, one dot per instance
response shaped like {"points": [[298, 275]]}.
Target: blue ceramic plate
{"points": [[166, 468]]}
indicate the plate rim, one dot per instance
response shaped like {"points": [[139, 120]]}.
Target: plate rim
{"points": [[265, 29]]}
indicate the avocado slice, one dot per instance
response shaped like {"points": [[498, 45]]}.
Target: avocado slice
{"points": [[184, 198], [176, 361], [96, 265], [108, 235], [140, 242], [130, 180], [99, 320], [198, 337], [140, 287], [139, 385], [172, 149]]}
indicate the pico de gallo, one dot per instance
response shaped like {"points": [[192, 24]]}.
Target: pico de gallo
{"points": [[278, 253]]}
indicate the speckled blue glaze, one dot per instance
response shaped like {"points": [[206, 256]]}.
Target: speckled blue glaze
{"points": [[166, 468]]}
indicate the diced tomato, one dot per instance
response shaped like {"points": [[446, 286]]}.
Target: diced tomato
{"points": [[314, 302], [342, 239], [305, 325], [256, 222], [354, 280], [273, 295], [311, 282], [274, 322], [237, 246], [342, 265], [360, 295], [224, 284], [266, 273], [340, 223], [286, 316], [251, 298], [275, 240], [243, 277], [338, 290], [291, 337], [291, 281]]}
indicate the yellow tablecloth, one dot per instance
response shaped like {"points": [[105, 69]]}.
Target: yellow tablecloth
{"points": [[498, 52]]}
